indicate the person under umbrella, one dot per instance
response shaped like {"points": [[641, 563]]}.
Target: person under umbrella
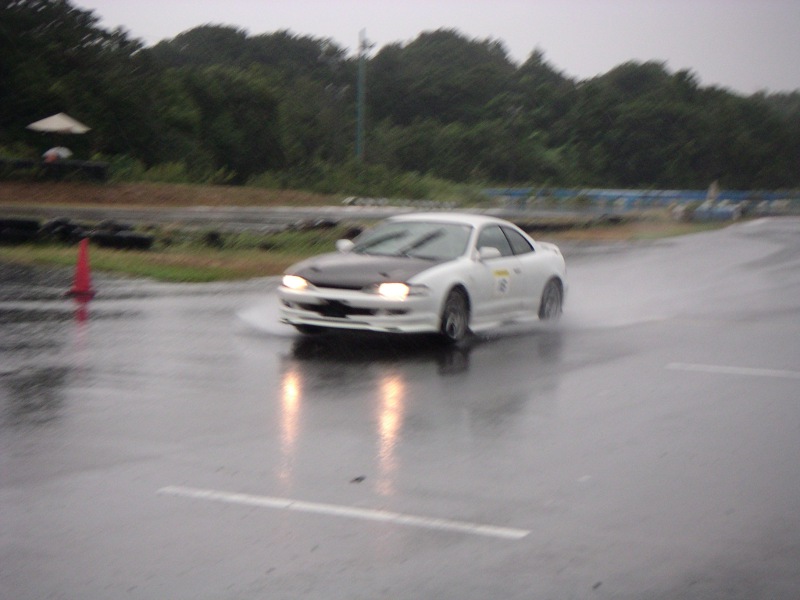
{"points": [[56, 153]]}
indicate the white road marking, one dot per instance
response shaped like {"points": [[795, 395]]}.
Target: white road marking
{"points": [[346, 511], [724, 370]]}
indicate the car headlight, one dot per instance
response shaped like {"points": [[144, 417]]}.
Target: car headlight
{"points": [[294, 282], [396, 291]]}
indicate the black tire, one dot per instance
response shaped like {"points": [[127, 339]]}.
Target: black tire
{"points": [[454, 324], [552, 302], [18, 231], [123, 240]]}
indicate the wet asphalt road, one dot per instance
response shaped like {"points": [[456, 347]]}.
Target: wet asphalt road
{"points": [[177, 442]]}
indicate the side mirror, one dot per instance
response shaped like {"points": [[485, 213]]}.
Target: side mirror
{"points": [[487, 252], [344, 245]]}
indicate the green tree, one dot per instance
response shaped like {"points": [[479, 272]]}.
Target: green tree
{"points": [[202, 47], [441, 75], [238, 119], [54, 58], [215, 99]]}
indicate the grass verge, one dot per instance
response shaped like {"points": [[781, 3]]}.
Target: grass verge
{"points": [[188, 258], [176, 266]]}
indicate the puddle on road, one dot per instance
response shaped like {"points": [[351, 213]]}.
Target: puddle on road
{"points": [[41, 345], [35, 314], [28, 332], [33, 396], [263, 319]]}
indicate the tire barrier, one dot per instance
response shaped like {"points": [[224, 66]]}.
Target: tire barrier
{"points": [[122, 236], [213, 239], [106, 234], [405, 203], [308, 225], [63, 230], [122, 240], [718, 211], [18, 231]]}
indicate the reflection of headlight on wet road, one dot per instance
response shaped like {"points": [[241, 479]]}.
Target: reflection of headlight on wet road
{"points": [[291, 393], [392, 396], [392, 391], [291, 389]]}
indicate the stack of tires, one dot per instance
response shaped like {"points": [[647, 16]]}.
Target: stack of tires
{"points": [[63, 230], [107, 234], [110, 234], [18, 231]]}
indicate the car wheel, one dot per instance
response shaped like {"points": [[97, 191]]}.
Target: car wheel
{"points": [[552, 301], [455, 317]]}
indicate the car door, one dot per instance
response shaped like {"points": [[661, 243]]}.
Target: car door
{"points": [[497, 279], [532, 273]]}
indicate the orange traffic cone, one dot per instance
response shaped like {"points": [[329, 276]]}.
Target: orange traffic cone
{"points": [[82, 288]]}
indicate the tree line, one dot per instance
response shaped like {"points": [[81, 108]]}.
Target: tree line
{"points": [[279, 109]]}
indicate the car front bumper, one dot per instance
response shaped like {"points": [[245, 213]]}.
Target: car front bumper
{"points": [[357, 310]]}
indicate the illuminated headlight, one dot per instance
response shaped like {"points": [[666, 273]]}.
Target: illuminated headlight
{"points": [[293, 282], [397, 291], [393, 291]]}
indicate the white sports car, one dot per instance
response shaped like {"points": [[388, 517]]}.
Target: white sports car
{"points": [[445, 273]]}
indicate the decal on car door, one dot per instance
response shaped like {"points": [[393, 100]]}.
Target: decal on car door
{"points": [[502, 282]]}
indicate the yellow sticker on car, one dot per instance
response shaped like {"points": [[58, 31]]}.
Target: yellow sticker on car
{"points": [[502, 282]]}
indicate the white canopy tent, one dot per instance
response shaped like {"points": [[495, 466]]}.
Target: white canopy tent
{"points": [[59, 123]]}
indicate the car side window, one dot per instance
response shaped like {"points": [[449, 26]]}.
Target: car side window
{"points": [[518, 243], [492, 236]]}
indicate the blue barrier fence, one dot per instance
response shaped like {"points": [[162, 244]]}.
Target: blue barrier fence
{"points": [[622, 200], [648, 197]]}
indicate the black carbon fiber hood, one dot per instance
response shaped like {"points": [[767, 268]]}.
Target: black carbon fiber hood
{"points": [[355, 271]]}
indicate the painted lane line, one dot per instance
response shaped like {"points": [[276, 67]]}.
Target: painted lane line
{"points": [[345, 511], [723, 370]]}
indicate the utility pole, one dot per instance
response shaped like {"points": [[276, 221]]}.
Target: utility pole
{"points": [[363, 47]]}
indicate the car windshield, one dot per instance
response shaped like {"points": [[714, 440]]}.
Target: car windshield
{"points": [[432, 241]]}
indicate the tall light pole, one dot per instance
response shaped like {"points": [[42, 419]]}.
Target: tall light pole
{"points": [[363, 47]]}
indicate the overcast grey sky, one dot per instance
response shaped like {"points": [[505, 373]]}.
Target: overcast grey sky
{"points": [[744, 45]]}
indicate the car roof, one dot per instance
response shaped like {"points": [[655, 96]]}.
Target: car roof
{"points": [[461, 218]]}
